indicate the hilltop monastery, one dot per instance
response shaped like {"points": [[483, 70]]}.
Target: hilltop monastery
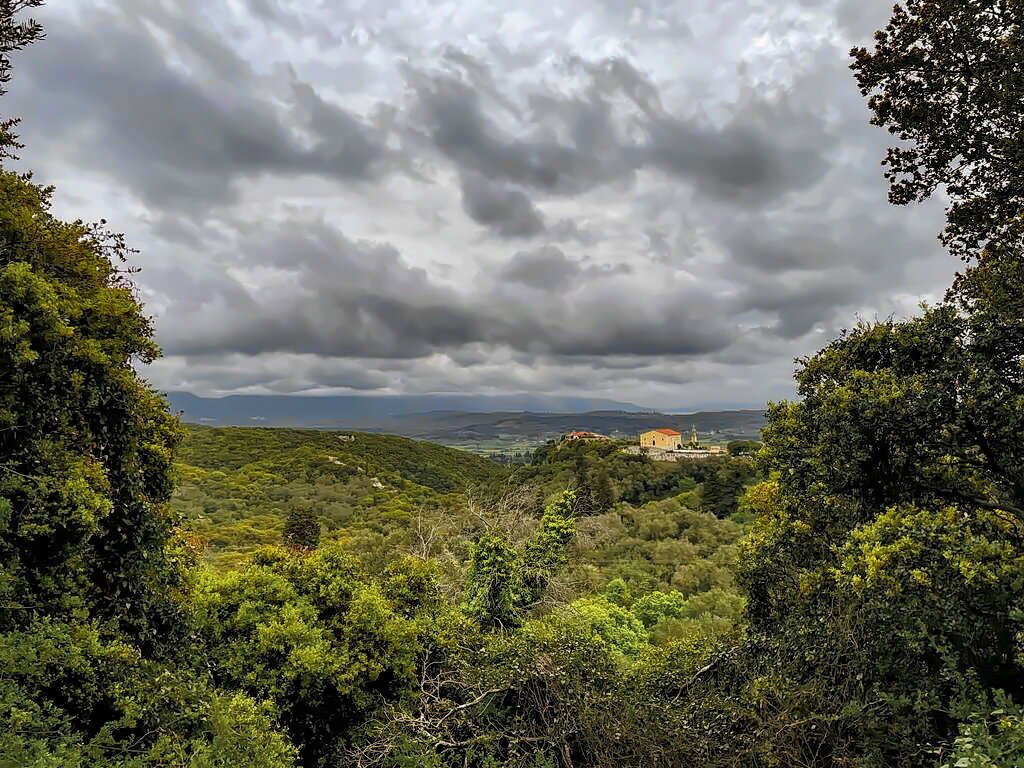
{"points": [[669, 443], [662, 444]]}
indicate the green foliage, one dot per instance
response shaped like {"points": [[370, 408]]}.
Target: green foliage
{"points": [[301, 529], [561, 681], [304, 452], [886, 567], [547, 551], [723, 485], [599, 620], [743, 447], [882, 576], [69, 699], [503, 582], [662, 545], [120, 650], [495, 591], [603, 495], [671, 615], [580, 686], [993, 740], [315, 635], [92, 579], [605, 474], [85, 445]]}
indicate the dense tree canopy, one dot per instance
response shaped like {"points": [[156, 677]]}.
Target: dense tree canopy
{"points": [[85, 445], [301, 529], [884, 574], [93, 582], [890, 563]]}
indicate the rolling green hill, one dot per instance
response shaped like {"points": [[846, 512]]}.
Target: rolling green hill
{"points": [[336, 454], [237, 484]]}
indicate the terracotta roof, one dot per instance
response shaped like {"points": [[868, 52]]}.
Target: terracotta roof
{"points": [[667, 431]]}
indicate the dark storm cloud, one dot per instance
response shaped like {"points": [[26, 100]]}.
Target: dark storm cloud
{"points": [[674, 330], [503, 209], [116, 103], [328, 296], [332, 296], [186, 139], [770, 250], [803, 300], [279, 373], [807, 276], [548, 269], [455, 117], [765, 149], [730, 163]]}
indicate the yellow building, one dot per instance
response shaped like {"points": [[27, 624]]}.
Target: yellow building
{"points": [[662, 439], [673, 442]]}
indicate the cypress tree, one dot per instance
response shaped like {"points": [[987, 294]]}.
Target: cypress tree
{"points": [[301, 530]]}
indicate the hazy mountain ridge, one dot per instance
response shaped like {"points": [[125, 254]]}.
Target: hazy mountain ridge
{"points": [[363, 410], [412, 416]]}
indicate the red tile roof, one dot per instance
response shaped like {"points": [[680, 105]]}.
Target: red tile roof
{"points": [[579, 434], [670, 432]]}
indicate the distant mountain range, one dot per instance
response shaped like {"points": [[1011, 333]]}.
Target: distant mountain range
{"points": [[455, 419], [453, 427], [360, 411]]}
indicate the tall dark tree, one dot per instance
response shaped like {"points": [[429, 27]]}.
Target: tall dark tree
{"points": [[504, 581], [15, 34], [723, 486], [602, 493], [898, 484], [947, 78], [584, 504], [301, 529], [743, 447], [85, 444]]}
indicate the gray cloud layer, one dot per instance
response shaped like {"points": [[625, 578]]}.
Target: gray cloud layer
{"points": [[664, 202]]}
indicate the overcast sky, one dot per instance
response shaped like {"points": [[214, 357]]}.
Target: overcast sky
{"points": [[663, 202]]}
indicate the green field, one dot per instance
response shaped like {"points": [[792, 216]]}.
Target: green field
{"points": [[512, 446]]}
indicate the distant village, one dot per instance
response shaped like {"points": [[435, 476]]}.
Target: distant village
{"points": [[662, 444]]}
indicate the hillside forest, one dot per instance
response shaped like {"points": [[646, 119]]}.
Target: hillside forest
{"points": [[847, 592]]}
